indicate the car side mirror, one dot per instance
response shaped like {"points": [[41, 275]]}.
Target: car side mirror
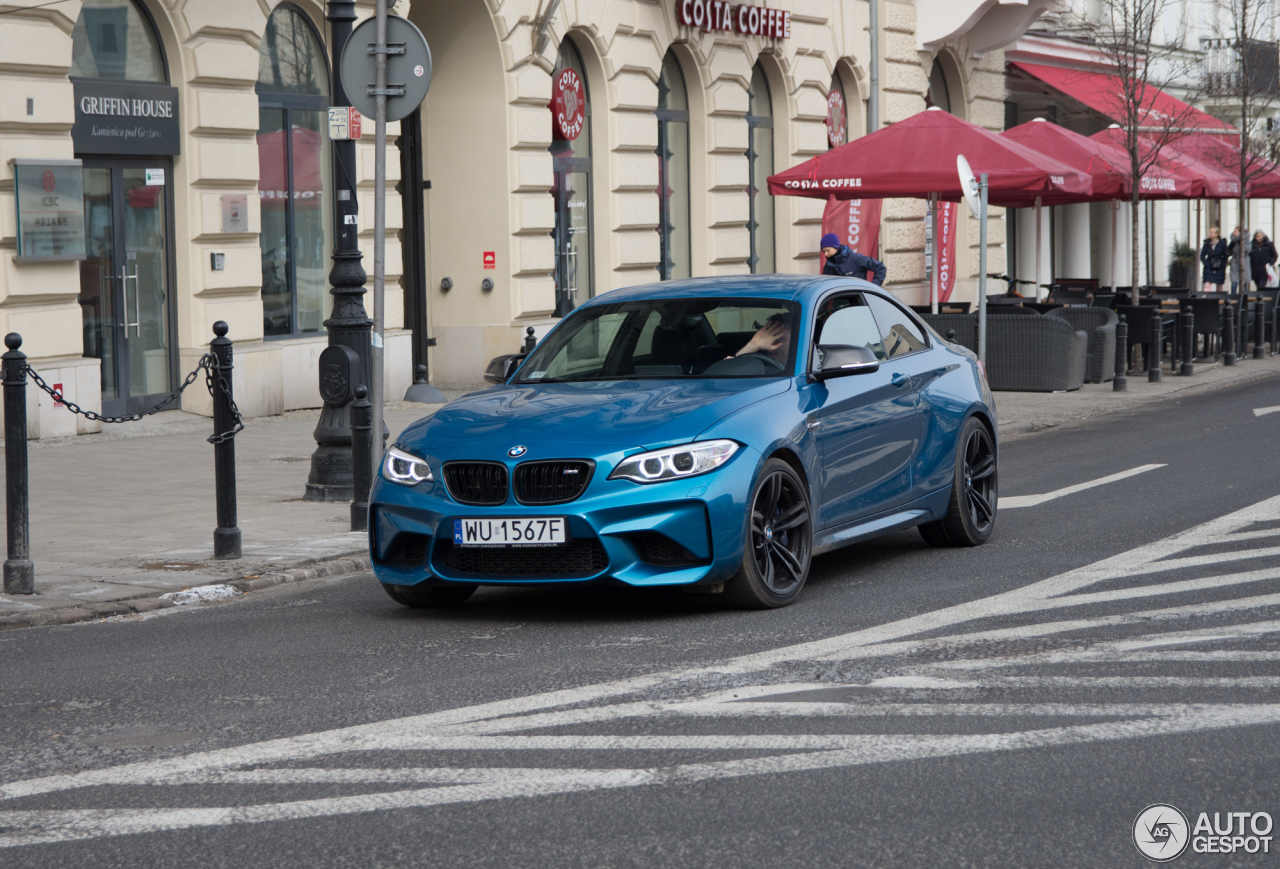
{"points": [[502, 367], [841, 360]]}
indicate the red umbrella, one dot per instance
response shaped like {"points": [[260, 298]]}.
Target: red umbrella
{"points": [[1104, 164], [1166, 178], [1223, 157], [916, 159]]}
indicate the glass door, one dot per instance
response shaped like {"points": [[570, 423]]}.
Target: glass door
{"points": [[125, 281], [572, 234]]}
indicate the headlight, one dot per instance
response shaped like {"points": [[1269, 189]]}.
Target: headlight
{"points": [[405, 468], [675, 462]]}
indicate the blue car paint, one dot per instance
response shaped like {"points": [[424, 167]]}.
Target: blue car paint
{"points": [[937, 390]]}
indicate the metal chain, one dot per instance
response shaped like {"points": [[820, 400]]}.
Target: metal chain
{"points": [[208, 363]]}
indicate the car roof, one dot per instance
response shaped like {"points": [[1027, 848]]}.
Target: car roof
{"points": [[793, 287]]}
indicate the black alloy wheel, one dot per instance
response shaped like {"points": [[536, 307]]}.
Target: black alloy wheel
{"points": [[971, 512], [779, 541]]}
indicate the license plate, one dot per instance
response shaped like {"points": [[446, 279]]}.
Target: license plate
{"points": [[500, 531]]}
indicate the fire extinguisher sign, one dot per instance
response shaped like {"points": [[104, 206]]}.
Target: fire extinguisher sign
{"points": [[490, 259]]}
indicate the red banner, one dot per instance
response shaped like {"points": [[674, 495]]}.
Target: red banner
{"points": [[948, 214], [856, 222]]}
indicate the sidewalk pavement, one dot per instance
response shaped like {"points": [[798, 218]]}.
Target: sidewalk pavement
{"points": [[122, 522]]}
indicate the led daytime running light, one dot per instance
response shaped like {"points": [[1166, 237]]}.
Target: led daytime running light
{"points": [[405, 468], [674, 463]]}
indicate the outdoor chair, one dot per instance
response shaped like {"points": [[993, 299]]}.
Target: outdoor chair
{"points": [[965, 327], [1100, 325], [1034, 354], [1140, 320], [1019, 310], [1042, 307], [1208, 324], [1272, 295], [1104, 300], [1070, 297]]}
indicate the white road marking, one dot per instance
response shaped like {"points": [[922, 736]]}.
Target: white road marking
{"points": [[1263, 411], [945, 688], [1016, 501]]}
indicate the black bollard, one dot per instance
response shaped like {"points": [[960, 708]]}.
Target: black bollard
{"points": [[529, 341], [1188, 344], [1154, 374], [19, 572], [1229, 334], [361, 458], [1259, 329], [226, 537], [1120, 382]]}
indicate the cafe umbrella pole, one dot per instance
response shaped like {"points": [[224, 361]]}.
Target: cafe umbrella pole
{"points": [[982, 270]]}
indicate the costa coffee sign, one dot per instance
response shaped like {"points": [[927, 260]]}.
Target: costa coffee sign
{"points": [[837, 119], [709, 15], [568, 104]]}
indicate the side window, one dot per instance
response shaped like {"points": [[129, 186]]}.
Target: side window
{"points": [[901, 336], [853, 326], [644, 344], [588, 349]]}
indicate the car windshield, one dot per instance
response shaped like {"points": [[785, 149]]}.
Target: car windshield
{"points": [[660, 339]]}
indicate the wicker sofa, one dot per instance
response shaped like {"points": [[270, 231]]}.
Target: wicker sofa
{"points": [[1100, 325], [1026, 352]]}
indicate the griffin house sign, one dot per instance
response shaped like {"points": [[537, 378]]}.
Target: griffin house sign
{"points": [[126, 118], [708, 15]]}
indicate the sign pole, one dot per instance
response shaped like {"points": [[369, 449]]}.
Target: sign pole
{"points": [[379, 227], [982, 271]]}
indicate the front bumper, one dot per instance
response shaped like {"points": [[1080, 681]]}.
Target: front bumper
{"points": [[677, 532]]}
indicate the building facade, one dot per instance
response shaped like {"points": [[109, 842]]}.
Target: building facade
{"points": [[567, 148]]}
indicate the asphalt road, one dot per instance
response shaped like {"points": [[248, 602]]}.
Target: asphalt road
{"points": [[1013, 705]]}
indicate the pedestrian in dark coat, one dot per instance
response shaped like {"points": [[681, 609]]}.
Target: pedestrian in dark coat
{"points": [[843, 261], [1262, 255], [1213, 260]]}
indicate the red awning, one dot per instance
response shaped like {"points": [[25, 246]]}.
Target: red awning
{"points": [[1105, 165], [1165, 178], [916, 158], [1102, 93]]}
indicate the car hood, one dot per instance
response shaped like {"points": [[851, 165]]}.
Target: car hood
{"points": [[625, 413]]}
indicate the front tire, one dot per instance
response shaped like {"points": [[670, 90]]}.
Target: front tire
{"points": [[779, 541], [971, 511], [435, 597]]}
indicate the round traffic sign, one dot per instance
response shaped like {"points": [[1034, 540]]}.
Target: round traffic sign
{"points": [[411, 70]]}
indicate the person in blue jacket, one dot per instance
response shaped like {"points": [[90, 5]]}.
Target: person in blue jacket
{"points": [[1213, 259], [843, 261]]}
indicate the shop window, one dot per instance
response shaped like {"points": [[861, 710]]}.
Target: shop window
{"points": [[293, 175], [675, 251], [114, 39], [760, 167], [571, 187]]}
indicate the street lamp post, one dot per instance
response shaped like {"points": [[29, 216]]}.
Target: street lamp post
{"points": [[349, 325]]}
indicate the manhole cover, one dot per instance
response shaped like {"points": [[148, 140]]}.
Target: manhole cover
{"points": [[173, 565]]}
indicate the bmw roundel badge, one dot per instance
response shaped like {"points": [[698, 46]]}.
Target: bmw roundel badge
{"points": [[517, 452]]}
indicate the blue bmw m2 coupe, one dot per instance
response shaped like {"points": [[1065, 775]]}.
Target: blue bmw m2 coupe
{"points": [[715, 432]]}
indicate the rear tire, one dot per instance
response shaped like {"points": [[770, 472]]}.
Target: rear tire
{"points": [[779, 543], [971, 511], [436, 596]]}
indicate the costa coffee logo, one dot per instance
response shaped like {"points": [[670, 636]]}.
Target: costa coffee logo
{"points": [[568, 105], [837, 119], [709, 15]]}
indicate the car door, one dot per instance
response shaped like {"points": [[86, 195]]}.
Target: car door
{"points": [[864, 424]]}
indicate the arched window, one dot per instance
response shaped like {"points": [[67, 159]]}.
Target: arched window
{"points": [[293, 173], [675, 251], [113, 39], [760, 167], [571, 165]]}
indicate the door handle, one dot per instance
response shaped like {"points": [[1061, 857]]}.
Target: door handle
{"points": [[125, 277], [899, 380]]}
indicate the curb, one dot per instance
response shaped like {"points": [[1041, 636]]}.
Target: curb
{"points": [[87, 612]]}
